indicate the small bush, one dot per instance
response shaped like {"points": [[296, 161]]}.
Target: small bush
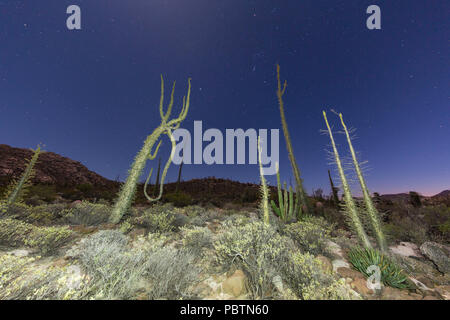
{"points": [[89, 214], [22, 279], [303, 274], [178, 199], [158, 218], [197, 238], [194, 211], [115, 269], [264, 255], [45, 239], [172, 273], [309, 235], [391, 274], [257, 249]]}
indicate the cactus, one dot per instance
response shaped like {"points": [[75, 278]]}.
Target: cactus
{"points": [[264, 189], [286, 209], [17, 189], [300, 191], [334, 190], [372, 212], [350, 205], [128, 190]]}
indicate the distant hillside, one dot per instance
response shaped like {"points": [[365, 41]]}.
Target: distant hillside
{"points": [[69, 178], [51, 168]]}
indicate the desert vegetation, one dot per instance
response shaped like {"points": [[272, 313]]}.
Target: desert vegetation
{"points": [[240, 241]]}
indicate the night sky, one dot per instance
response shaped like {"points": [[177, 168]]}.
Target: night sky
{"points": [[92, 94]]}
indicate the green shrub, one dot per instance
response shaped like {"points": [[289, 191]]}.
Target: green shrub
{"points": [[303, 274], [46, 239], [391, 274], [158, 218], [89, 214], [310, 234], [178, 199], [194, 211], [43, 192], [406, 229]]}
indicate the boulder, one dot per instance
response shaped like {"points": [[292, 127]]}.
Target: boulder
{"points": [[235, 284], [326, 264], [438, 253], [340, 263], [360, 286], [350, 273], [407, 249]]}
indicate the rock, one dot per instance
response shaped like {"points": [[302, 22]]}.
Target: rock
{"points": [[19, 253], [75, 203], [430, 298], [334, 249], [360, 286], [426, 281], [437, 253], [278, 283], [339, 263], [235, 285], [350, 273], [421, 286], [327, 266], [389, 293], [444, 292], [407, 249]]}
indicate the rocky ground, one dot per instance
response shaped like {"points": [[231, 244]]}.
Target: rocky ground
{"points": [[65, 273]]}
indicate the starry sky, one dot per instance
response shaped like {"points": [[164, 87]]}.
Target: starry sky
{"points": [[92, 94]]}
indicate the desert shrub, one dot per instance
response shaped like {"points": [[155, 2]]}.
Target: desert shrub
{"points": [[406, 229], [43, 192], [89, 214], [115, 269], [22, 279], [46, 239], [199, 221], [16, 210], [172, 273], [158, 218], [126, 226], [179, 220], [46, 214], [196, 239], [391, 274], [310, 234], [235, 220], [257, 249], [264, 255], [303, 274], [178, 199], [194, 211]]}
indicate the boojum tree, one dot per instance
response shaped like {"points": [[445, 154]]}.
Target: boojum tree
{"points": [[264, 189], [350, 208], [371, 211], [17, 189], [300, 191], [128, 190]]}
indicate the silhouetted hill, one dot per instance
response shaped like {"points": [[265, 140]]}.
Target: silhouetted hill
{"points": [[51, 168]]}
